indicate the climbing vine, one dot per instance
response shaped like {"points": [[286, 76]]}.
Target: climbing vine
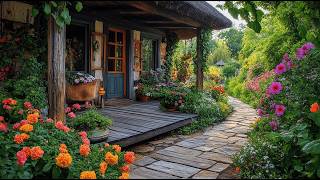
{"points": [[205, 47], [58, 10], [172, 42]]}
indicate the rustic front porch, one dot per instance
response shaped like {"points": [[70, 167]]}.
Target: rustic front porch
{"points": [[141, 121]]}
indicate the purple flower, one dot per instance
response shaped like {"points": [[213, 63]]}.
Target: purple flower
{"points": [[307, 46], [274, 125], [280, 68], [260, 112], [300, 53], [280, 109], [304, 50], [289, 64], [275, 88]]}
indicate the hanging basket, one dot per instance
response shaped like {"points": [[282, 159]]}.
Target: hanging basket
{"points": [[82, 92]]}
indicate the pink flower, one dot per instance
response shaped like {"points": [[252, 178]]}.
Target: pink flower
{"points": [[16, 126], [59, 125], [21, 158], [7, 107], [27, 105], [1, 118], [280, 68], [274, 125], [65, 129], [20, 112], [49, 120], [71, 115], [23, 122], [76, 106], [83, 134], [87, 104], [67, 110], [280, 109], [275, 88], [260, 112], [3, 127], [86, 141], [304, 50]]}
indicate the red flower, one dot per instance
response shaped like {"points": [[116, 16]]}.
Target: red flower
{"points": [[21, 158], [27, 105], [125, 168], [3, 127], [36, 153], [76, 106], [23, 122], [59, 125], [16, 126], [83, 134], [1, 118], [129, 157]]}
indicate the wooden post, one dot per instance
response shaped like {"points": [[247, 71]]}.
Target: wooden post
{"points": [[199, 70], [56, 70]]}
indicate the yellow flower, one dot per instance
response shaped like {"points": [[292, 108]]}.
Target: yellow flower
{"points": [[88, 175], [64, 160], [111, 159], [26, 128], [124, 176]]}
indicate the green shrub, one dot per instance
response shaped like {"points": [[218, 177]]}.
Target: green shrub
{"points": [[90, 120]]}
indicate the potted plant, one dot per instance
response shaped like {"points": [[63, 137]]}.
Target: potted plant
{"points": [[143, 92], [81, 86], [171, 100], [94, 123]]}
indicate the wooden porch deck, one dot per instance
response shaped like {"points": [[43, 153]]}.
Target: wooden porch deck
{"points": [[141, 121]]}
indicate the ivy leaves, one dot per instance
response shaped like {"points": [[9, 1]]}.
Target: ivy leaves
{"points": [[58, 10], [247, 11]]}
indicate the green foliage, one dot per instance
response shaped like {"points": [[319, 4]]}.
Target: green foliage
{"points": [[205, 46], [220, 52], [230, 69], [90, 120], [172, 40], [233, 38]]}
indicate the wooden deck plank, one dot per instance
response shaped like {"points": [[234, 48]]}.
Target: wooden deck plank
{"points": [[141, 121]]}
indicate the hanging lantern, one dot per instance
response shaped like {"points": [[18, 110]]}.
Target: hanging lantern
{"points": [[101, 91]]}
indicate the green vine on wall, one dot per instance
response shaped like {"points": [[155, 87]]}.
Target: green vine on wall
{"points": [[58, 10], [205, 47], [172, 42]]}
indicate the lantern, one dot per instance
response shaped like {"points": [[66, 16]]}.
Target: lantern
{"points": [[101, 91]]}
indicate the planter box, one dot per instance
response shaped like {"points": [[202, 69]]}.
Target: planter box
{"points": [[99, 135], [82, 92], [143, 98]]}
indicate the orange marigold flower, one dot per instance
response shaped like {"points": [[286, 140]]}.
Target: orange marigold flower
{"points": [[111, 159], [64, 160], [63, 148], [20, 138], [88, 175], [314, 107], [106, 145], [27, 150], [124, 176], [117, 148], [33, 118], [129, 157], [36, 153], [26, 128], [13, 102], [84, 150], [125, 168], [103, 168]]}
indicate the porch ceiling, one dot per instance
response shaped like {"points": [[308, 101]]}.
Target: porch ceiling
{"points": [[182, 17]]}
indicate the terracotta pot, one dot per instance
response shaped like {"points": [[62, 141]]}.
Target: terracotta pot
{"points": [[144, 98], [171, 108], [82, 92]]}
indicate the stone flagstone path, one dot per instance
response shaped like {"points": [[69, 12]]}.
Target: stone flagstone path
{"points": [[201, 156]]}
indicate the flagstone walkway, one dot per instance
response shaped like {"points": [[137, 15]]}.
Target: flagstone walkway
{"points": [[199, 156]]}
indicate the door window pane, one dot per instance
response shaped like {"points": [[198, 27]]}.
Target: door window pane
{"points": [[111, 64], [119, 37], [111, 50], [112, 36], [119, 65], [119, 51]]}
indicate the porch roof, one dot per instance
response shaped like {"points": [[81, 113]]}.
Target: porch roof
{"points": [[182, 17]]}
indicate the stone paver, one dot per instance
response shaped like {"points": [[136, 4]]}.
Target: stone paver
{"points": [[203, 155]]}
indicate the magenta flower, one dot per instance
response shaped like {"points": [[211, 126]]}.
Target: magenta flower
{"points": [[280, 68], [280, 109], [304, 50], [275, 88], [274, 125], [260, 112]]}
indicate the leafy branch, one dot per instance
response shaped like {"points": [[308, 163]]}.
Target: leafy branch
{"points": [[58, 10]]}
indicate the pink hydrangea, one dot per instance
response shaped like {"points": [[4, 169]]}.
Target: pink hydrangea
{"points": [[71, 115], [279, 109], [280, 68], [275, 88], [274, 125], [76, 106]]}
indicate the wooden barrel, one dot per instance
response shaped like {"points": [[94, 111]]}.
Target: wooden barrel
{"points": [[83, 91]]}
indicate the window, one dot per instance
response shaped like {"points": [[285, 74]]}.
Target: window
{"points": [[76, 47], [148, 50], [116, 56]]}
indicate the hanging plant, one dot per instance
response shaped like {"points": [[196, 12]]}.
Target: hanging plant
{"points": [[58, 10], [204, 43], [172, 42]]}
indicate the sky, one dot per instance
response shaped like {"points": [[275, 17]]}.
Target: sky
{"points": [[235, 22]]}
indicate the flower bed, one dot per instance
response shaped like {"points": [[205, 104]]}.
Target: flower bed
{"points": [[288, 127], [36, 147]]}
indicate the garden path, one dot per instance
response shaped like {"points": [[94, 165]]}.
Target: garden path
{"points": [[202, 155]]}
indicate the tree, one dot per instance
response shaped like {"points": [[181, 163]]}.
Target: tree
{"points": [[220, 52], [233, 38]]}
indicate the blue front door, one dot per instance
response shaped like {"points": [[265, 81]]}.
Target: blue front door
{"points": [[115, 65]]}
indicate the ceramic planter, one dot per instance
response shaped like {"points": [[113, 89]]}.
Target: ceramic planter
{"points": [[98, 135]]}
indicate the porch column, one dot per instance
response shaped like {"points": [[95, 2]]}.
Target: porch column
{"points": [[199, 70], [56, 70], [130, 46], [158, 54]]}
